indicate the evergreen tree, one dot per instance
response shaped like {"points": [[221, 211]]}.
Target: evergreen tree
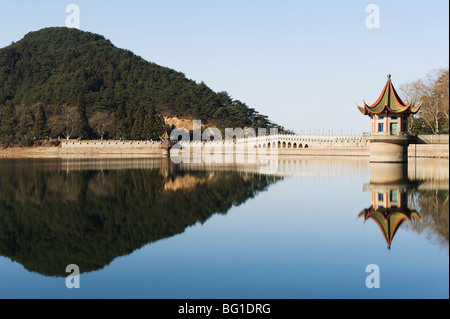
{"points": [[56, 122], [8, 121], [139, 118], [40, 123], [154, 126], [120, 121], [24, 120], [83, 129]]}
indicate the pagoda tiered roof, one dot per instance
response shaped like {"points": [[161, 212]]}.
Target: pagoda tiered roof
{"points": [[389, 102]]}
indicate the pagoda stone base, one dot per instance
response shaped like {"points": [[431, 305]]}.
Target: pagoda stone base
{"points": [[389, 149]]}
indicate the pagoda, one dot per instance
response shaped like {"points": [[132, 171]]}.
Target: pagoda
{"points": [[166, 144], [389, 137]]}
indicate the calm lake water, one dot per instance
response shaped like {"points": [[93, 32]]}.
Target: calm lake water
{"points": [[146, 228]]}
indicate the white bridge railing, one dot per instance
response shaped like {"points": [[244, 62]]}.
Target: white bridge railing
{"points": [[268, 141], [304, 140]]}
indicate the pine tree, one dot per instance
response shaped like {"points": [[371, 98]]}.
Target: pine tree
{"points": [[121, 127], [40, 123], [154, 125], [7, 124], [159, 127], [55, 122], [24, 121], [139, 118], [83, 129], [148, 125]]}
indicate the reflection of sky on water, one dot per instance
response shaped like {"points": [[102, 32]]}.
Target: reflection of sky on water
{"points": [[299, 239]]}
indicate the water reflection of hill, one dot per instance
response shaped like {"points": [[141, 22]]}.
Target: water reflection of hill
{"points": [[88, 212], [52, 216]]}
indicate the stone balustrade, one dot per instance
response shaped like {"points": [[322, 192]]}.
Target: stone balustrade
{"points": [[305, 141], [108, 143], [268, 141]]}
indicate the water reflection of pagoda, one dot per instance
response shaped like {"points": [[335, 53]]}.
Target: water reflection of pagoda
{"points": [[388, 209], [389, 199], [167, 167]]}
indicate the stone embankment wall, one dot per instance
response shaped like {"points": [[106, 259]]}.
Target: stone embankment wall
{"points": [[436, 146], [431, 146], [111, 147], [433, 139]]}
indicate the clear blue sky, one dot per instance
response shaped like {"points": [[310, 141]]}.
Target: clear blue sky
{"points": [[303, 63]]}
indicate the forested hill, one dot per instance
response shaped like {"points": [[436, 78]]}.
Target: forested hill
{"points": [[50, 71]]}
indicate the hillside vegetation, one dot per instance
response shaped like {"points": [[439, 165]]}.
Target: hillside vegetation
{"points": [[66, 82]]}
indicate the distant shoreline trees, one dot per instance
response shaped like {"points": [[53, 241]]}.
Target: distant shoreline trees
{"points": [[433, 91], [19, 125]]}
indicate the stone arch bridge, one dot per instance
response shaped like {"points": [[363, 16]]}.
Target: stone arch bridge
{"points": [[303, 141]]}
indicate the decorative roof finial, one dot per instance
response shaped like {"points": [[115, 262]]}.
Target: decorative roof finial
{"points": [[389, 76]]}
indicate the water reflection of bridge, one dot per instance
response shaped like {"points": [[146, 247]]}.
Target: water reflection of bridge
{"points": [[433, 172]]}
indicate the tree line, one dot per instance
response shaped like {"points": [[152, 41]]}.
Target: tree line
{"points": [[26, 125]]}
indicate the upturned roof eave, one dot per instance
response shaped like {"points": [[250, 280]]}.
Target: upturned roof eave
{"points": [[393, 103]]}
